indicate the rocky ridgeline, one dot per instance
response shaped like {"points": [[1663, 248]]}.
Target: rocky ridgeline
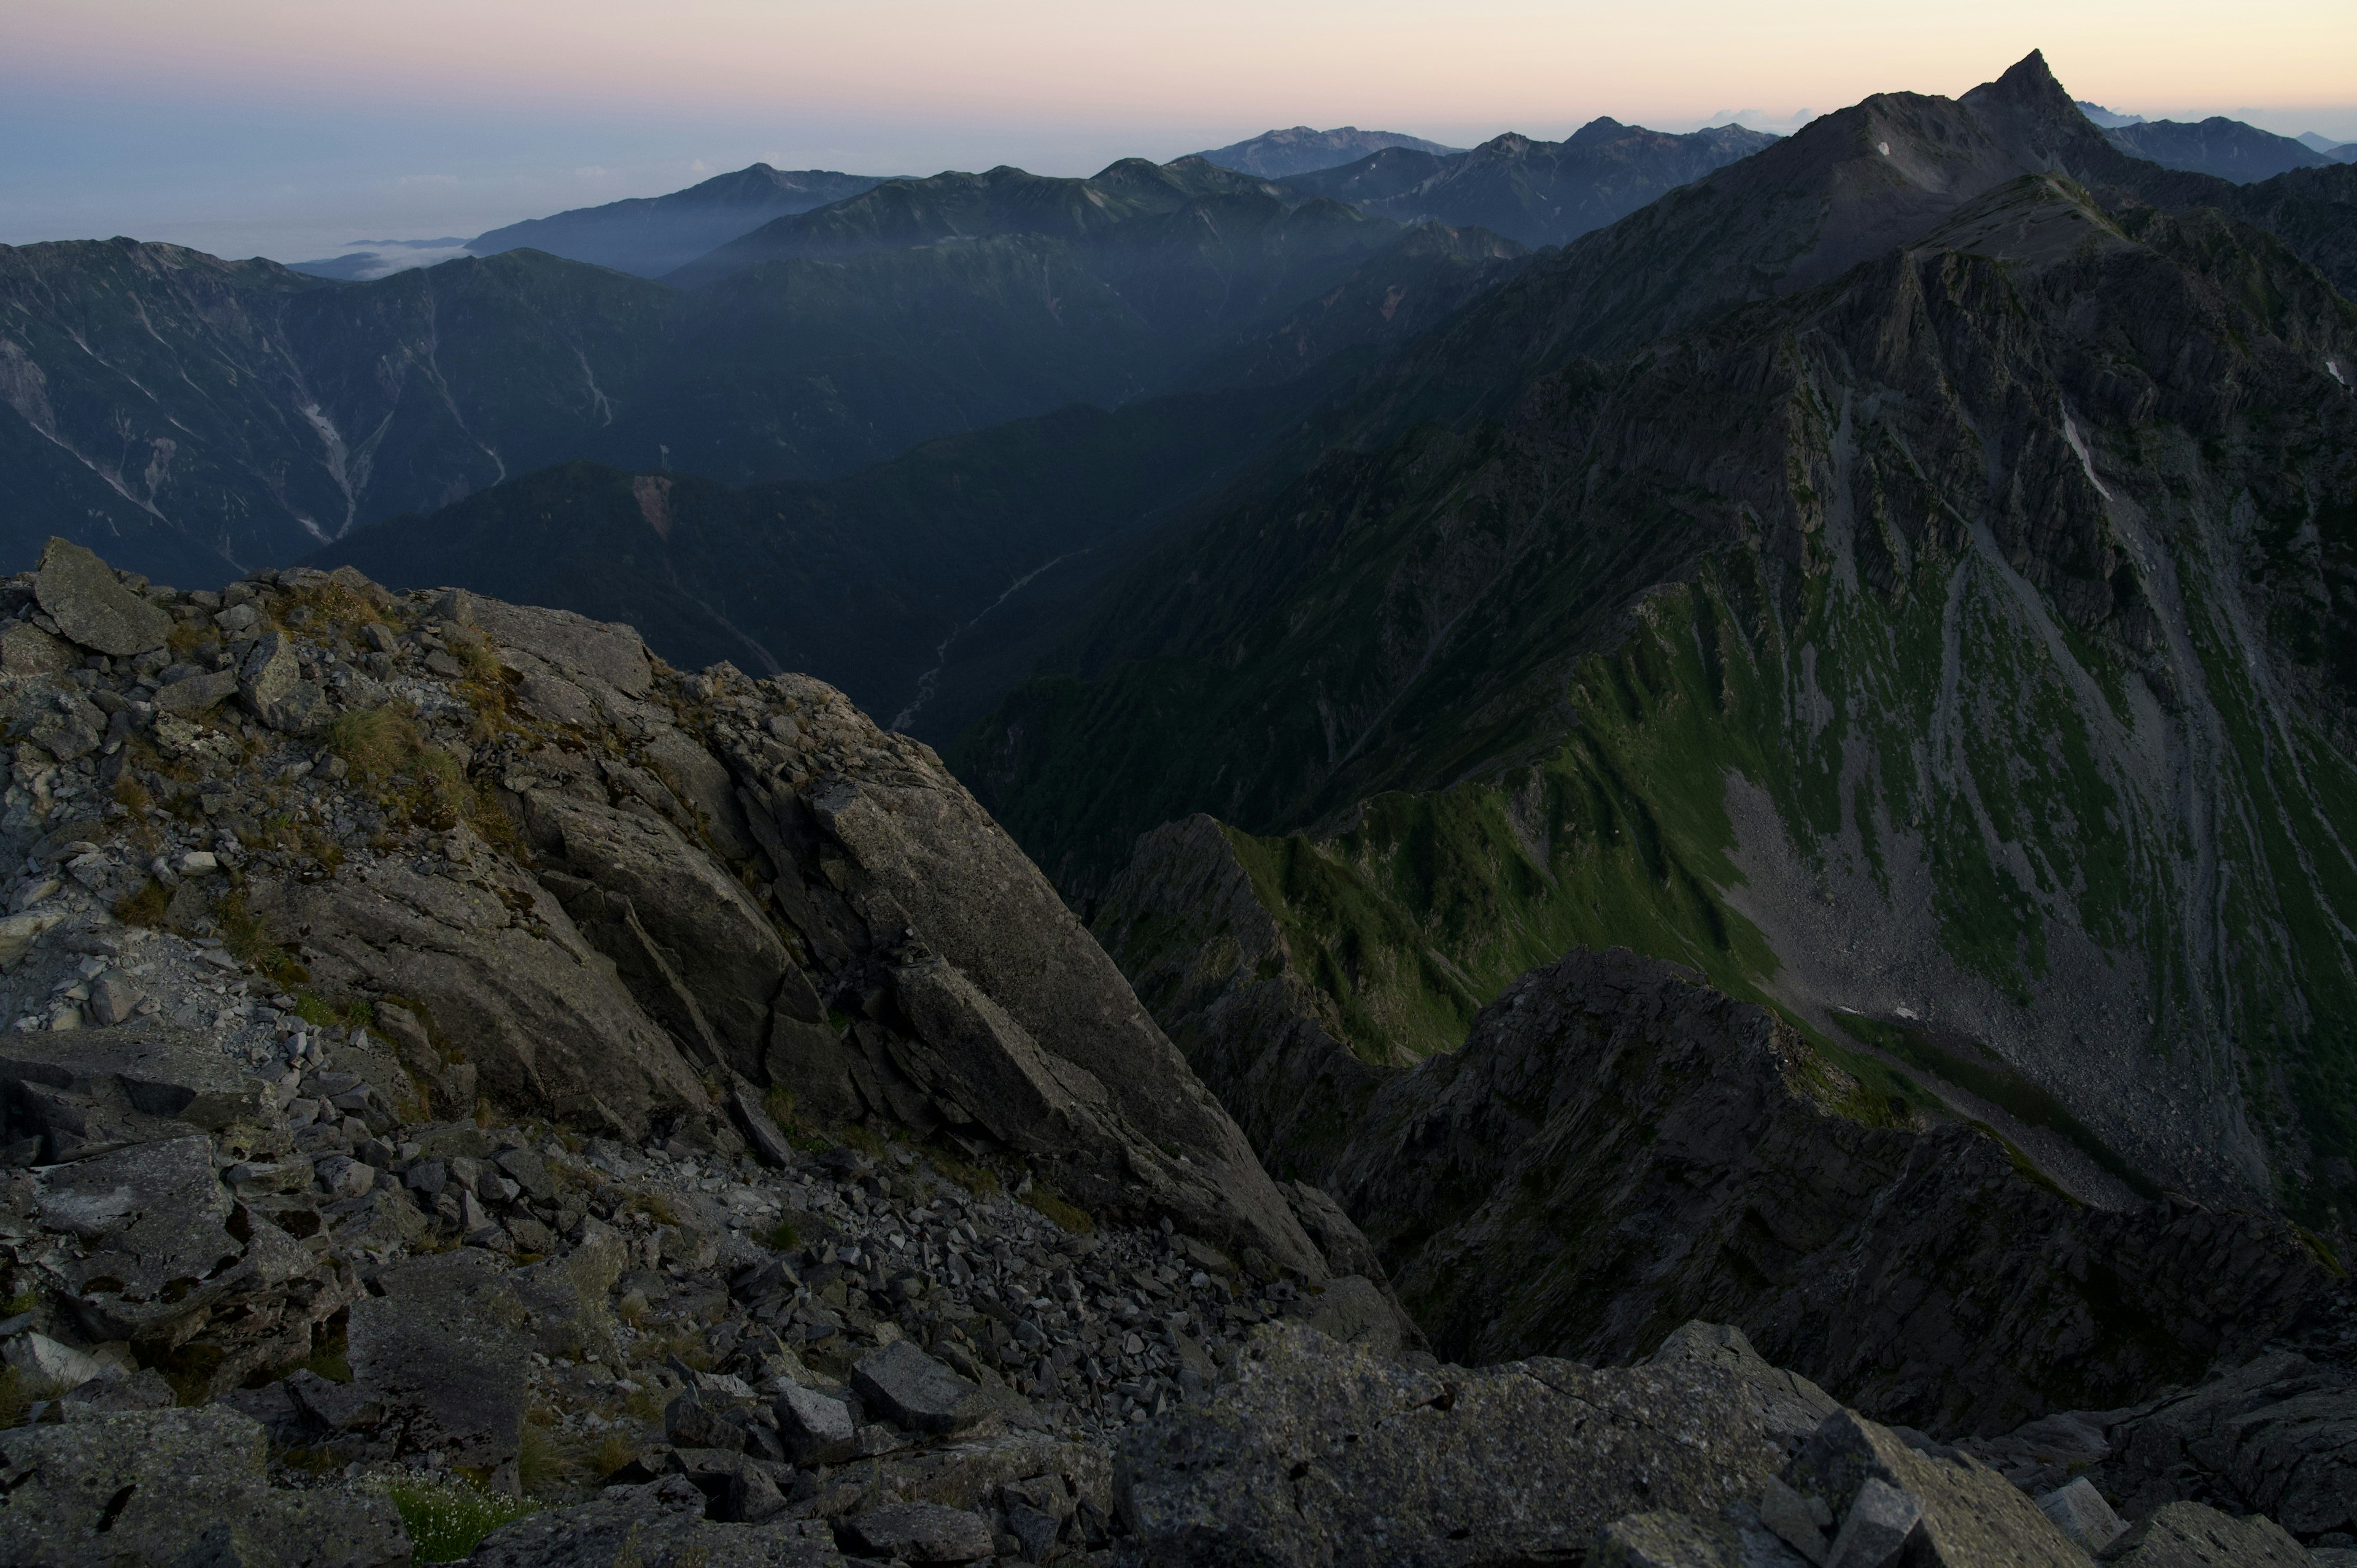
{"points": [[429, 1015]]}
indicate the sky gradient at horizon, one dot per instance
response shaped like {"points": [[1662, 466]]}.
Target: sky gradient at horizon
{"points": [[287, 128]]}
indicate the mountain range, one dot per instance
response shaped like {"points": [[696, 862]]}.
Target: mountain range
{"points": [[1898, 576], [653, 235], [1769, 779], [196, 412], [1541, 193], [2227, 148]]}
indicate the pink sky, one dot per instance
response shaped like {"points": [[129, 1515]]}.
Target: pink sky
{"points": [[290, 128], [1119, 62]]}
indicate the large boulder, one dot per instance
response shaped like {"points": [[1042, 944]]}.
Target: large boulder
{"points": [[441, 1356], [80, 592], [173, 1489]]}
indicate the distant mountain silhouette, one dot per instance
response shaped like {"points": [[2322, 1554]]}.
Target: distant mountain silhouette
{"points": [[1273, 155], [1541, 193], [2226, 148], [656, 234]]}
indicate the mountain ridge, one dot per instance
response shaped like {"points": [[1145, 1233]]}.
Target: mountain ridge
{"points": [[650, 236], [1496, 651]]}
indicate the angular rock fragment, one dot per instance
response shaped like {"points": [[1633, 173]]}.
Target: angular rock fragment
{"points": [[80, 593], [915, 1392], [1879, 1518], [920, 1532], [2079, 1513], [816, 1429], [2194, 1535]]}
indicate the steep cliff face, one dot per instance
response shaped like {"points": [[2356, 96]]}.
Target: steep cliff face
{"points": [[1959, 642]]}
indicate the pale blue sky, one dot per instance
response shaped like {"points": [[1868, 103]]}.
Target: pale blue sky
{"points": [[287, 128]]}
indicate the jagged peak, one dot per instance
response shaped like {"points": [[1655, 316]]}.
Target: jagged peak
{"points": [[2028, 83]]}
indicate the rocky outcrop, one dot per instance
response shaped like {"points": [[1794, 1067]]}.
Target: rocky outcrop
{"points": [[1619, 1148], [584, 886], [1704, 1457]]}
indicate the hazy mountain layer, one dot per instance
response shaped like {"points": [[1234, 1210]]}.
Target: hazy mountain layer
{"points": [[1541, 193], [927, 585], [2226, 148], [190, 414], [657, 234], [1115, 204], [1273, 155], [1953, 634]]}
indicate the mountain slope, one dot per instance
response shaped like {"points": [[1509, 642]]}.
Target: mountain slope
{"points": [[2226, 148], [2313, 210], [1541, 193], [653, 235], [192, 414], [872, 579], [1273, 155], [1951, 633]]}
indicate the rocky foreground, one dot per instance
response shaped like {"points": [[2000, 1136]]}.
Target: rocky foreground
{"points": [[475, 1091]]}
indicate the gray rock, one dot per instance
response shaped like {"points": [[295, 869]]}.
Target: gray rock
{"points": [[607, 652], [688, 1422], [564, 1299], [1967, 1514], [2194, 1535], [686, 937], [1881, 1518], [1033, 1531], [49, 1363], [195, 694], [920, 1532], [1356, 1310], [1322, 1454], [528, 1004], [142, 1069], [114, 999], [2079, 1513], [917, 1393], [1666, 1539], [172, 1489], [2279, 1432], [443, 1351], [80, 593], [925, 850], [816, 1429], [1792, 1521], [1792, 1406], [752, 1497], [115, 1393], [26, 650]]}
